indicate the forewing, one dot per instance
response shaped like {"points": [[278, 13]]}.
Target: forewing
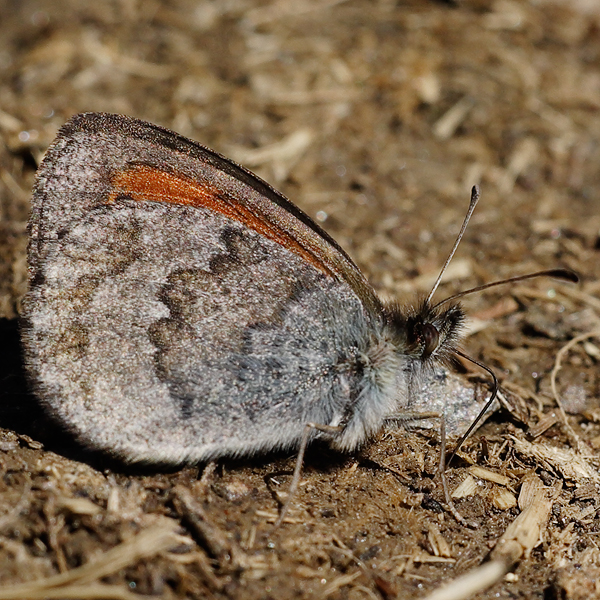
{"points": [[168, 331], [98, 158]]}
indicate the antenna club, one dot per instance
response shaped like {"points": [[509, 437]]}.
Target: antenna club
{"points": [[472, 204]]}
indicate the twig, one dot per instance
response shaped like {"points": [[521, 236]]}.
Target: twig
{"points": [[557, 366], [80, 582]]}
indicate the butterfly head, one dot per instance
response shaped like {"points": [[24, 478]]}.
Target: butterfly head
{"points": [[428, 334]]}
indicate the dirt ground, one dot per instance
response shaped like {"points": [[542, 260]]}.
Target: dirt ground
{"points": [[376, 118]]}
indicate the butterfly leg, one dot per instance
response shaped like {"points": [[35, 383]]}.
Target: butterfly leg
{"points": [[308, 429], [410, 416]]}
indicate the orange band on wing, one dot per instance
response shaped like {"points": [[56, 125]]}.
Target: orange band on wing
{"points": [[147, 184]]}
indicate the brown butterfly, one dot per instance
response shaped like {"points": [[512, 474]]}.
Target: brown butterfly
{"points": [[181, 309]]}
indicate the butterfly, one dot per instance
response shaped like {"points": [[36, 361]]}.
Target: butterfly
{"points": [[180, 309]]}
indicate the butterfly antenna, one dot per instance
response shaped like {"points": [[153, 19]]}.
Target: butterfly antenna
{"points": [[474, 200], [562, 274]]}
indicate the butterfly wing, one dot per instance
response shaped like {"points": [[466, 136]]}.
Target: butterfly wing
{"points": [[127, 157], [180, 308]]}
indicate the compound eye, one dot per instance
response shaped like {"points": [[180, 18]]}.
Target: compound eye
{"points": [[431, 340]]}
